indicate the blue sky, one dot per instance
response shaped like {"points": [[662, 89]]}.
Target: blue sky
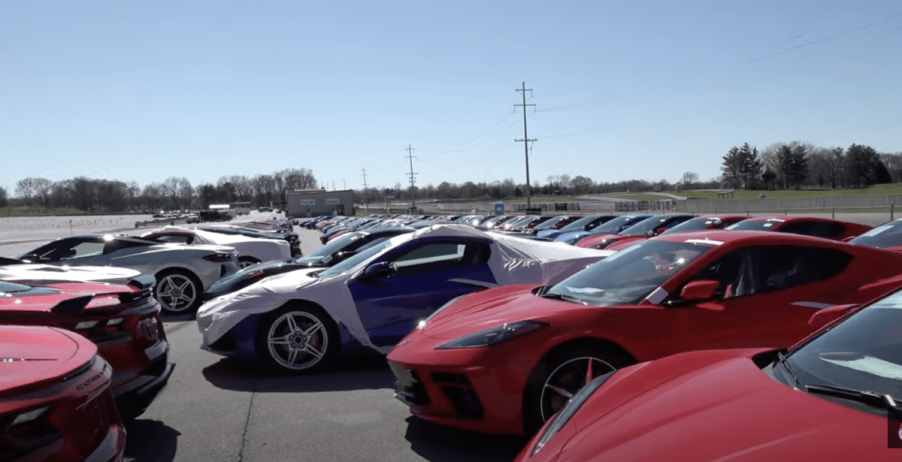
{"points": [[144, 90]]}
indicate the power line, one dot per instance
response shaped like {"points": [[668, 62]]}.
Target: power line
{"points": [[525, 139], [412, 176], [365, 202]]}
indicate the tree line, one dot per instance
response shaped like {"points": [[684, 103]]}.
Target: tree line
{"points": [[796, 165], [175, 193]]}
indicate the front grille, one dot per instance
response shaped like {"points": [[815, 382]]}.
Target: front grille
{"points": [[408, 387], [465, 401]]}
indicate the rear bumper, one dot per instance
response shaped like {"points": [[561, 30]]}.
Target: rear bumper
{"points": [[135, 396]]}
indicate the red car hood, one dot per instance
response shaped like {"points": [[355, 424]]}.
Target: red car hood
{"points": [[493, 307], [715, 405], [31, 355]]}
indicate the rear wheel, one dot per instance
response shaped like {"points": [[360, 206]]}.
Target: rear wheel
{"points": [[560, 375], [178, 291], [297, 339], [244, 262]]}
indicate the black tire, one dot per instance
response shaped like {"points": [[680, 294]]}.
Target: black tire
{"points": [[178, 291], [564, 372], [245, 261], [308, 342]]}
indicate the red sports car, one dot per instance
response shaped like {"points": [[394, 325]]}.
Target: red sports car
{"points": [[807, 226], [124, 322], [833, 397], [640, 231], [504, 360], [55, 399]]}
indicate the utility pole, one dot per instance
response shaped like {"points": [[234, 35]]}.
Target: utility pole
{"points": [[525, 139], [365, 202], [412, 176]]}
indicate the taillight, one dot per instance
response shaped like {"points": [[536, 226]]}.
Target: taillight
{"points": [[99, 331], [219, 257], [24, 432]]}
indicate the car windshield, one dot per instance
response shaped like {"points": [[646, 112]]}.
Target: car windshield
{"points": [[755, 225], [333, 246], [357, 261], [694, 224], [12, 288], [645, 226], [630, 275], [862, 353], [614, 225], [883, 236], [548, 223], [579, 224]]}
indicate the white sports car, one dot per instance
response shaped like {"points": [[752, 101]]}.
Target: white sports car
{"points": [[251, 250], [182, 272], [299, 320]]}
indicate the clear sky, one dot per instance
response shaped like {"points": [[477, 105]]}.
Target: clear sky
{"points": [[142, 90]]}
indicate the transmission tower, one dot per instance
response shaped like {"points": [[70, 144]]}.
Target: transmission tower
{"points": [[412, 176], [525, 139], [365, 202]]}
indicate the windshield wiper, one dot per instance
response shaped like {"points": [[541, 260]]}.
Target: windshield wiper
{"points": [[872, 398], [781, 359], [569, 298]]}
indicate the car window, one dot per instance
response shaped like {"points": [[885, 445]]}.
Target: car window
{"points": [[755, 225], [431, 253], [84, 249], [886, 235], [755, 270]]}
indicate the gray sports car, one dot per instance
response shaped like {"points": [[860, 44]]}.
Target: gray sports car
{"points": [[182, 272]]}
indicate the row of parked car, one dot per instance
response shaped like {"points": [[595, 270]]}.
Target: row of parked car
{"points": [[689, 338], [82, 345]]}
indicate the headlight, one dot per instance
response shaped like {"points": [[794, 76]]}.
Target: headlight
{"points": [[494, 335], [422, 323], [563, 416]]}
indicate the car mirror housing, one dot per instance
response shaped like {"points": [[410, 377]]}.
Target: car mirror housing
{"points": [[699, 290], [828, 315], [377, 270]]}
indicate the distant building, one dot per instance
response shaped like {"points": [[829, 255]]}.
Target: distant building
{"points": [[318, 202]]}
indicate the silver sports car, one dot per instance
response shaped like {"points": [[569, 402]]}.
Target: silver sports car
{"points": [[182, 272]]}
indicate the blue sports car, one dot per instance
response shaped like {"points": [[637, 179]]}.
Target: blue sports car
{"points": [[300, 320]]}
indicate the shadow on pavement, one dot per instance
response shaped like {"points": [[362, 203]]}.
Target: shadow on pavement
{"points": [[367, 371], [152, 440], [439, 444]]}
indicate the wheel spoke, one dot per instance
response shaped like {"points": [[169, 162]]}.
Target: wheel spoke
{"points": [[279, 340], [560, 391], [183, 284], [292, 326], [292, 356], [312, 350], [589, 372], [312, 330], [186, 298]]}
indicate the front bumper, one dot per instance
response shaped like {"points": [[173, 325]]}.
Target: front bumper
{"points": [[469, 389]]}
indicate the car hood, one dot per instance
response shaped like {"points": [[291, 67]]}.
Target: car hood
{"points": [[51, 273], [490, 308], [31, 355], [669, 410]]}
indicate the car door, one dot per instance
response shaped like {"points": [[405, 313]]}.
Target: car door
{"points": [[764, 299], [423, 275]]}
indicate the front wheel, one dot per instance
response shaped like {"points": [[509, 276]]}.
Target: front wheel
{"points": [[297, 339], [559, 376]]}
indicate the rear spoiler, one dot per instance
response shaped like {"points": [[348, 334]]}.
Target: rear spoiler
{"points": [[72, 306]]}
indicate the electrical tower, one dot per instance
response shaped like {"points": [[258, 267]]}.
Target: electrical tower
{"points": [[365, 202], [412, 176], [525, 139]]}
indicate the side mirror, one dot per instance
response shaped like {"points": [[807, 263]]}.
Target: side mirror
{"points": [[828, 315], [377, 270], [699, 290]]}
